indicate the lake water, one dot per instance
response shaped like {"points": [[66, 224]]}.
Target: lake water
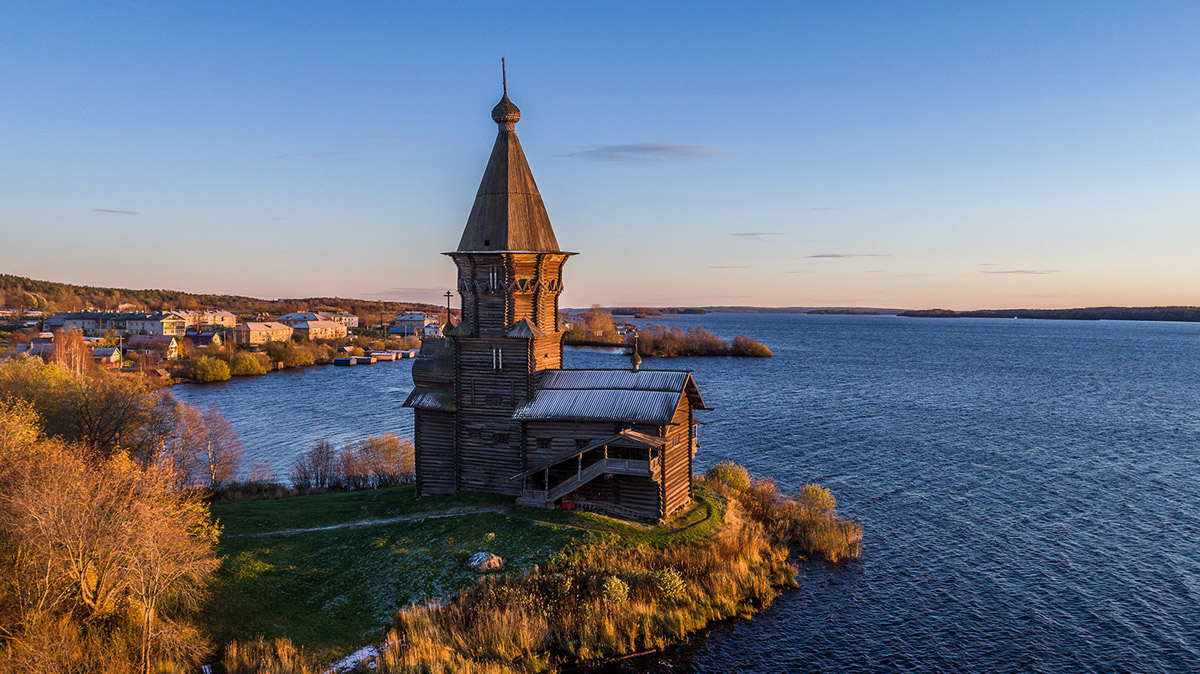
{"points": [[1029, 490]]}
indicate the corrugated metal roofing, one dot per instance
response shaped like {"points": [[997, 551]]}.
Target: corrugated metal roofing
{"points": [[651, 407], [426, 398], [641, 380], [675, 381]]}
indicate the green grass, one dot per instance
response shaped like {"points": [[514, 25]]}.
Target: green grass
{"points": [[335, 590], [303, 512]]}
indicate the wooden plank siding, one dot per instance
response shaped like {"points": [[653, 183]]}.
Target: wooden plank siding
{"points": [[677, 459], [435, 461]]}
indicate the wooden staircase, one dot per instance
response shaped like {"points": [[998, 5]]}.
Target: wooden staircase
{"points": [[584, 475]]}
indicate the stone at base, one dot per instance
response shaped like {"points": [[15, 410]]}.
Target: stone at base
{"points": [[484, 562]]}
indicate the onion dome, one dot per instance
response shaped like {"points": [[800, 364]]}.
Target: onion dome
{"points": [[635, 359], [506, 114]]}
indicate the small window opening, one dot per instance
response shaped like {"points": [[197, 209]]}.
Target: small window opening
{"points": [[544, 443]]}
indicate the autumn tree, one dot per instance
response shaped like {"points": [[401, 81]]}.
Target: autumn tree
{"points": [[71, 353], [88, 542], [221, 449], [595, 326], [316, 468]]}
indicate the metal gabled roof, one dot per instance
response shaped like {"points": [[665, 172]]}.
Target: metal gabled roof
{"points": [[675, 381], [648, 407]]}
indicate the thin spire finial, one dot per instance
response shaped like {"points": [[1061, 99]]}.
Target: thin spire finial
{"points": [[504, 75]]}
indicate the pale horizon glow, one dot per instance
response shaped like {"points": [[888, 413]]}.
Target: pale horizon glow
{"points": [[905, 155]]}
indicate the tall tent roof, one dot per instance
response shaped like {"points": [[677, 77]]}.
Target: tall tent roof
{"points": [[508, 213]]}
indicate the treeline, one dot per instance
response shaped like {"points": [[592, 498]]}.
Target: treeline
{"points": [[595, 327], [372, 463], [17, 292], [1182, 314], [669, 342], [656, 311], [220, 363]]}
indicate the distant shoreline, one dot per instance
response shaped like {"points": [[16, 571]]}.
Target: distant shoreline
{"points": [[1164, 314]]}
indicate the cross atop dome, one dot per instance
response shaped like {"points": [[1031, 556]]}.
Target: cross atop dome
{"points": [[506, 113]]}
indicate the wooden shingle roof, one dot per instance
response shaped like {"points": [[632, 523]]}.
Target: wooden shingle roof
{"points": [[508, 214]]}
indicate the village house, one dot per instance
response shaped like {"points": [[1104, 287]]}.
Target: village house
{"points": [[218, 319], [90, 323], [42, 350], [208, 319], [494, 410], [251, 334], [320, 329], [203, 340], [107, 355], [298, 317], [157, 324], [341, 317], [347, 319], [163, 347], [412, 323]]}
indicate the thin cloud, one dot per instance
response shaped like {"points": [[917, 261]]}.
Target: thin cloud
{"points": [[1020, 271], [741, 266], [799, 271], [755, 236], [839, 256], [316, 154], [115, 211], [648, 153], [988, 264], [822, 208]]}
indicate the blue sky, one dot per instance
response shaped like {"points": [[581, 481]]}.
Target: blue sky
{"points": [[954, 154]]}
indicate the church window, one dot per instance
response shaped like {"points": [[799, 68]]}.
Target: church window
{"points": [[544, 443]]}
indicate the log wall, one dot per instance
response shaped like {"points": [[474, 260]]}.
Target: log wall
{"points": [[435, 462], [677, 459]]}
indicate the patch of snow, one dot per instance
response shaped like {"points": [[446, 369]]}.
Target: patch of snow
{"points": [[347, 663]]}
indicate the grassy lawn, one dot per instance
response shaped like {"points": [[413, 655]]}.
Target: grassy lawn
{"points": [[303, 512], [335, 590]]}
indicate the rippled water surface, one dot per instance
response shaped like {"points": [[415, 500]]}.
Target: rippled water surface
{"points": [[1030, 490]]}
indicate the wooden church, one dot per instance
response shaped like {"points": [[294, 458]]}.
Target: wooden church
{"points": [[494, 409]]}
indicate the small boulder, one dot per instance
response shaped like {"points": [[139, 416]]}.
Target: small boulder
{"points": [[484, 562]]}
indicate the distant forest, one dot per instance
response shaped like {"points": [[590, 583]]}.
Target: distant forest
{"points": [[1188, 314], [17, 292]]}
